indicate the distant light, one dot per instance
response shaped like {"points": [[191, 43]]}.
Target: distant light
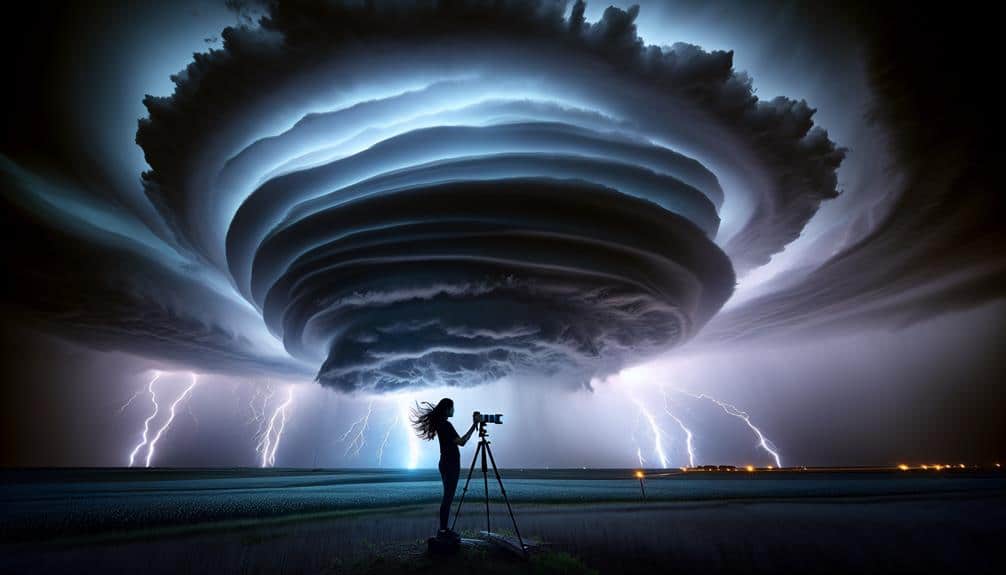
{"points": [[961, 465], [412, 460], [770, 467], [750, 468], [925, 467], [904, 467], [938, 467], [997, 465], [639, 474], [684, 469]]}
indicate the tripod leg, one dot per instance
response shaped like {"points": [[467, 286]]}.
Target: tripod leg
{"points": [[485, 480], [465, 490], [507, 500]]}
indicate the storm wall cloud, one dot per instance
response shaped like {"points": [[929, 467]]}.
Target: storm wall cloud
{"points": [[447, 194]]}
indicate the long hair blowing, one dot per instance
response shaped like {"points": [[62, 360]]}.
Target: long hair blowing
{"points": [[426, 417]]}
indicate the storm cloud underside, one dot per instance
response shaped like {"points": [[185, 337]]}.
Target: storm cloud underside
{"points": [[451, 194]]}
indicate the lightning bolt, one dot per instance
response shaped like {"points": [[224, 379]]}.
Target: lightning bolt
{"points": [[632, 436], [258, 413], [191, 414], [251, 405], [171, 417], [258, 416], [146, 423], [658, 433], [387, 435], [359, 438], [122, 408], [689, 445], [730, 409], [269, 441]]}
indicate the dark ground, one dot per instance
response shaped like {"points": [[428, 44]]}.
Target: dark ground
{"points": [[249, 521]]}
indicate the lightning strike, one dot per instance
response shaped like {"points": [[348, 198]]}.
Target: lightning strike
{"points": [[269, 441], [259, 413], [730, 409], [171, 417], [359, 438], [251, 405], [191, 414], [384, 442], [658, 432], [689, 437], [632, 437], [124, 406], [146, 422]]}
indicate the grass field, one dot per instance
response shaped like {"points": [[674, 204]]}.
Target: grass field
{"points": [[367, 521]]}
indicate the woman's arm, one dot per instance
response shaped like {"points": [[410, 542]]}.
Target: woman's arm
{"points": [[464, 438]]}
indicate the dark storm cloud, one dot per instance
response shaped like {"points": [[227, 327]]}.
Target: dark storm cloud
{"points": [[796, 160], [108, 291], [937, 242], [516, 275], [447, 193], [383, 256], [557, 151]]}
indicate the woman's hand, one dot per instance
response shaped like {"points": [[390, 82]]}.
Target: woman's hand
{"points": [[464, 438]]}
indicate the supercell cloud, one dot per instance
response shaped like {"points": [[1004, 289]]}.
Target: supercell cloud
{"points": [[443, 194]]}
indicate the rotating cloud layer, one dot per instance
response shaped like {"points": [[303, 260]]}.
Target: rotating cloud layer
{"points": [[451, 193]]}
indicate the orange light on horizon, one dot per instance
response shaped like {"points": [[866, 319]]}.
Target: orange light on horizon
{"points": [[961, 465], [903, 467], [750, 468], [925, 467], [639, 474]]}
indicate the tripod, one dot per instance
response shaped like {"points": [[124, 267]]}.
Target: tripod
{"points": [[483, 449]]}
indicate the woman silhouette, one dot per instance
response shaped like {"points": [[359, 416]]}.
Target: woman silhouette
{"points": [[431, 421]]}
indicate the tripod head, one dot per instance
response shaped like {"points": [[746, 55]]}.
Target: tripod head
{"points": [[483, 418]]}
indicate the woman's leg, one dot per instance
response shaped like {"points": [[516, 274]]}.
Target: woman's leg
{"points": [[449, 474]]}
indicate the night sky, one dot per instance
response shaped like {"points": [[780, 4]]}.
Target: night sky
{"points": [[664, 234]]}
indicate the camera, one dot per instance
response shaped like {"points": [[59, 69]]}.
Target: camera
{"points": [[488, 417]]}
